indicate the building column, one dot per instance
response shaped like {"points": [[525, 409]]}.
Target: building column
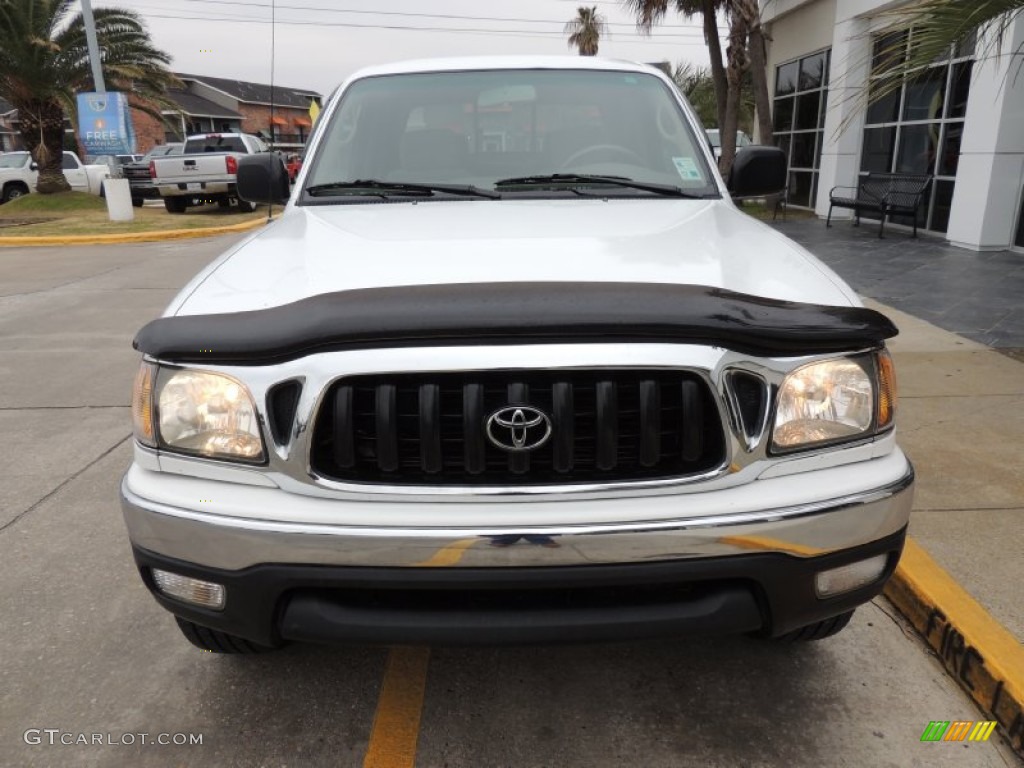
{"points": [[848, 71], [990, 173]]}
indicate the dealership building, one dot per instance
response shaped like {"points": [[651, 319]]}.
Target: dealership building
{"points": [[961, 122]]}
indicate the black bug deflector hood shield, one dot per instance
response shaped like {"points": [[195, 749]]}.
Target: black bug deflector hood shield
{"points": [[513, 313]]}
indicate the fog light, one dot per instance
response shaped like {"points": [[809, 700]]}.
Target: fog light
{"points": [[195, 591], [849, 577]]}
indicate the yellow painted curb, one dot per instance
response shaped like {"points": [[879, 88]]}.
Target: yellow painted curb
{"points": [[976, 650], [133, 237]]}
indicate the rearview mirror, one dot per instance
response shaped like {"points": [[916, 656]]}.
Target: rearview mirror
{"points": [[758, 171], [33, 166], [263, 178]]}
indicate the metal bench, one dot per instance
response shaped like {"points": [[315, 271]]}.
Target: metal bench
{"points": [[886, 194]]}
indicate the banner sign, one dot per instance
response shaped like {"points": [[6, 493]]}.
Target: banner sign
{"points": [[105, 124]]}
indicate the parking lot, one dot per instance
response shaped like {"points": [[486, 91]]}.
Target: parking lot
{"points": [[87, 651]]}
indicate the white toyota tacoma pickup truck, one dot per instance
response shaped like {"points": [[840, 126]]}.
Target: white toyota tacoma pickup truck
{"points": [[512, 367]]}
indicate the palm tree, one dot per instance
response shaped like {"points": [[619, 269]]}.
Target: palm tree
{"points": [[585, 30], [44, 62], [650, 12], [695, 83], [744, 59], [937, 26], [758, 64]]}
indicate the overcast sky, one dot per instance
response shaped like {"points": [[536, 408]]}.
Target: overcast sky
{"points": [[320, 42]]}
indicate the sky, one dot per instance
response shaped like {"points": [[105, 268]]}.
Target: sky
{"points": [[318, 43]]}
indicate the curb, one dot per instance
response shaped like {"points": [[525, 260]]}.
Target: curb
{"points": [[133, 237], [977, 651]]}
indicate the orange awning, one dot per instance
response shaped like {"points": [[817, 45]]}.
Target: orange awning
{"points": [[278, 120], [303, 121]]}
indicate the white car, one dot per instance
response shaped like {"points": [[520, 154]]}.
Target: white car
{"points": [[512, 367], [18, 175]]}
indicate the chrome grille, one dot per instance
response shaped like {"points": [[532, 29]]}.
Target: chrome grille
{"points": [[430, 429]]}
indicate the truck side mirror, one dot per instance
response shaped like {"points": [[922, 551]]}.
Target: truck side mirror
{"points": [[758, 171], [263, 178], [33, 166]]}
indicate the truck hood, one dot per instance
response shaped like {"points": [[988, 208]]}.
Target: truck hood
{"points": [[313, 250]]}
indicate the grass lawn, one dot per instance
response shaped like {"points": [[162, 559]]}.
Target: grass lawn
{"points": [[761, 210], [78, 213]]}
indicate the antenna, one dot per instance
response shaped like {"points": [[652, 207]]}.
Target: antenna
{"points": [[273, 41]]}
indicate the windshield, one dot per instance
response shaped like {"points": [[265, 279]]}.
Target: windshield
{"points": [[715, 139], [476, 129], [13, 160], [213, 143]]}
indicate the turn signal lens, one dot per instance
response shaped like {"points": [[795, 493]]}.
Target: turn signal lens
{"points": [[847, 578], [887, 394], [142, 405], [195, 591]]}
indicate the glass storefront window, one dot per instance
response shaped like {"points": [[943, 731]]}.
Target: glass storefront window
{"points": [[812, 72], [917, 149], [924, 95], [878, 149], [949, 158], [782, 120], [961, 84], [786, 78], [803, 155], [807, 107], [798, 110], [918, 127], [800, 188]]}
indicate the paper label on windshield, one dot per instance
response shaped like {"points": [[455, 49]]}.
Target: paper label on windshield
{"points": [[687, 169]]}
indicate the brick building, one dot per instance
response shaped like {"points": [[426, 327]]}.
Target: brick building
{"points": [[210, 104]]}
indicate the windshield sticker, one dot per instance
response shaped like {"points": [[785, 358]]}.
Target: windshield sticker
{"points": [[687, 168]]}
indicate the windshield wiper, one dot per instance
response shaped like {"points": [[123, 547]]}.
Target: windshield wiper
{"points": [[571, 179], [388, 188]]}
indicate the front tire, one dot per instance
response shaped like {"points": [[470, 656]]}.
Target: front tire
{"points": [[819, 630], [13, 191], [175, 204], [215, 641]]}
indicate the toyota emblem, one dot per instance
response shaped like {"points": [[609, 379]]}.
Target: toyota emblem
{"points": [[518, 428]]}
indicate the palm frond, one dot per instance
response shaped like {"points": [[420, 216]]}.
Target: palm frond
{"points": [[927, 31]]}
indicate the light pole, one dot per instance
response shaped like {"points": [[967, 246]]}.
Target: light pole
{"points": [[94, 48]]}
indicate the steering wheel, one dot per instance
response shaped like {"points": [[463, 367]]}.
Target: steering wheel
{"points": [[615, 149]]}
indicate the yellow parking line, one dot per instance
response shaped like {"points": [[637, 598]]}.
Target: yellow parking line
{"points": [[765, 543], [448, 556], [396, 725]]}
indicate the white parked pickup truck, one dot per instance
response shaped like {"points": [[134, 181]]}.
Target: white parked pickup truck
{"points": [[512, 367], [18, 175], [205, 171]]}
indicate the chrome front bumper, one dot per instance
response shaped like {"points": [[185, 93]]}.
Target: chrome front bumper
{"points": [[807, 529]]}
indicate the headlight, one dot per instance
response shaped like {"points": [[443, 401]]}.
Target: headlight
{"points": [[207, 414], [825, 402]]}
